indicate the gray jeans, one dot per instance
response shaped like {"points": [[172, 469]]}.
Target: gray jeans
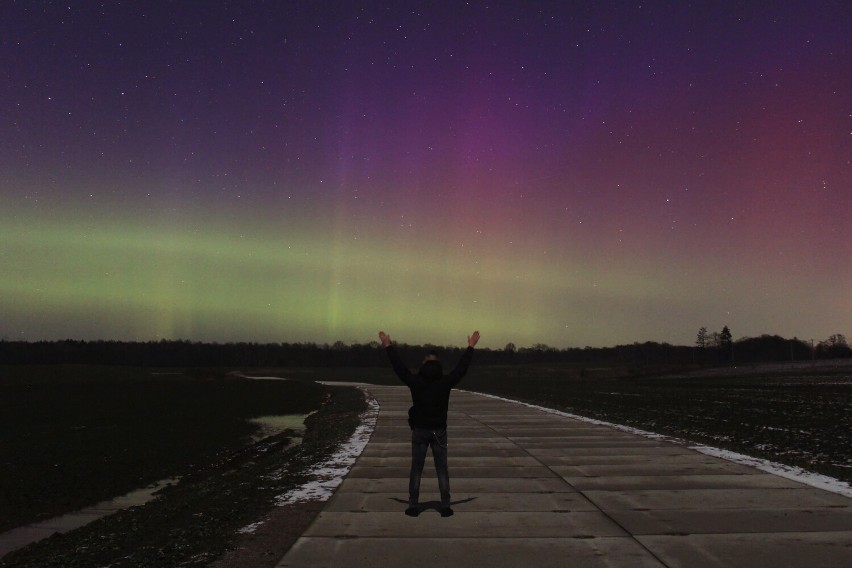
{"points": [[421, 440]]}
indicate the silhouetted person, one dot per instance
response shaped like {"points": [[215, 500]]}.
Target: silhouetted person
{"points": [[427, 417]]}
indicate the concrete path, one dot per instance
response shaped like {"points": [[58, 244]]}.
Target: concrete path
{"points": [[535, 489]]}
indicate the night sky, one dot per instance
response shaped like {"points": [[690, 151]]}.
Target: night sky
{"points": [[565, 173]]}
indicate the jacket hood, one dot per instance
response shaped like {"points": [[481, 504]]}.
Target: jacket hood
{"points": [[431, 371]]}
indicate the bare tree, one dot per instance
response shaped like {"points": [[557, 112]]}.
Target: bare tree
{"points": [[701, 339]]}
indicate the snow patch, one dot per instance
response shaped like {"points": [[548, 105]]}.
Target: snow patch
{"points": [[326, 476], [250, 528], [787, 471]]}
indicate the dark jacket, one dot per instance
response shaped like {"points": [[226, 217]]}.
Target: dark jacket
{"points": [[430, 389]]}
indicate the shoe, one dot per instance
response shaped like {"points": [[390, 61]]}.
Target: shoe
{"points": [[412, 511], [446, 512]]}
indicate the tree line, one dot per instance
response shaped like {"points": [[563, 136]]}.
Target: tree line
{"points": [[710, 349], [720, 347]]}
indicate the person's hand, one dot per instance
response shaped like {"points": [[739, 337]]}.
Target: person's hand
{"points": [[471, 340], [385, 338]]}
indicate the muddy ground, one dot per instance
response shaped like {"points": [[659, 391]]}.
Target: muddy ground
{"points": [[197, 522]]}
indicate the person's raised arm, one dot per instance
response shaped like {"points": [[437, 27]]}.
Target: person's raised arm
{"points": [[398, 366], [461, 367], [473, 339]]}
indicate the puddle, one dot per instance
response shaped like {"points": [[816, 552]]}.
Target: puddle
{"points": [[22, 536], [272, 425], [139, 496]]}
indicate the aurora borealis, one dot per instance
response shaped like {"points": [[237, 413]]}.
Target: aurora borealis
{"points": [[563, 173]]}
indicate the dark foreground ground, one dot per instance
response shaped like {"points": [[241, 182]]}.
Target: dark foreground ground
{"points": [[196, 521], [797, 416], [71, 436]]}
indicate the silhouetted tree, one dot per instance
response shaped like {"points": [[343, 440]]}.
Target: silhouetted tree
{"points": [[771, 348], [834, 347], [701, 339], [726, 345]]}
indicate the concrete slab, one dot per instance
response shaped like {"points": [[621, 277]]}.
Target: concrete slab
{"points": [[596, 442], [568, 434], [463, 502], [456, 472], [703, 467], [703, 499], [475, 485], [692, 521], [458, 461], [532, 488], [531, 420], [491, 552], [602, 450], [472, 430], [633, 459], [480, 443], [786, 550], [404, 451], [720, 481], [475, 524]]}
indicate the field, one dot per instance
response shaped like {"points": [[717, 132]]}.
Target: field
{"points": [[73, 436], [802, 420]]}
